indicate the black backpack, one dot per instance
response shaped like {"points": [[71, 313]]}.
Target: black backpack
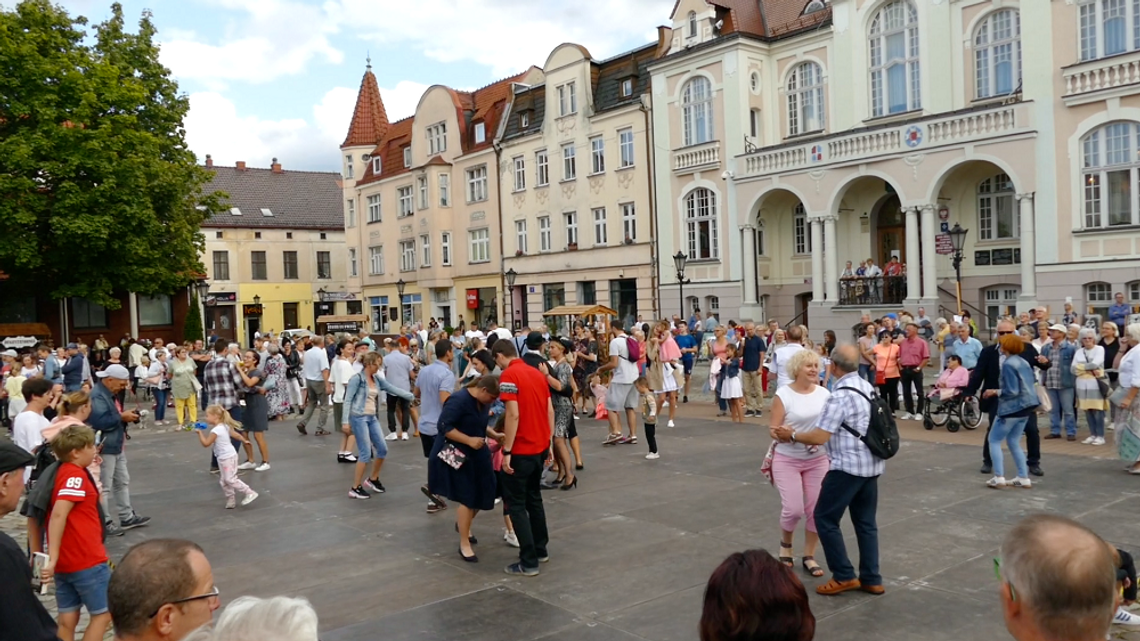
{"points": [[882, 436], [44, 458]]}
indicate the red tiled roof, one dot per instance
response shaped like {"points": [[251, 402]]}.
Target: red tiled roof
{"points": [[488, 106], [391, 152], [369, 119]]}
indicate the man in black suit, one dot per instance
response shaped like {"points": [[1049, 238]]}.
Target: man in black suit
{"points": [[985, 383]]}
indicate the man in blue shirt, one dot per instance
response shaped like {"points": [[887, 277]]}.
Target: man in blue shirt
{"points": [[965, 347], [688, 345], [696, 327], [1119, 312], [434, 385], [754, 349]]}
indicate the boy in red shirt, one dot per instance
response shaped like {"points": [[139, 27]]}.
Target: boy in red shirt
{"points": [[76, 556]]}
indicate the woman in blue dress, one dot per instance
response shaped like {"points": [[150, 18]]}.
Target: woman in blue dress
{"points": [[471, 486]]}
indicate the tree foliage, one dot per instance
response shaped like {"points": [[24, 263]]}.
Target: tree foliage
{"points": [[99, 193]]}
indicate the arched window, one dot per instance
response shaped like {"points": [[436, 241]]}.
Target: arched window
{"points": [[1110, 173], [701, 225], [997, 54], [692, 24], [894, 59], [1109, 27], [698, 111], [805, 99], [997, 215]]}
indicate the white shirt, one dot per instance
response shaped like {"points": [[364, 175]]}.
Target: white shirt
{"points": [[316, 361], [626, 372], [873, 271], [780, 362], [342, 371], [1130, 369], [27, 432], [475, 334], [801, 413], [154, 353], [503, 333], [223, 449]]}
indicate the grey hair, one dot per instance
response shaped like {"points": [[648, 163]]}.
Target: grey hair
{"points": [[1087, 332], [114, 351], [1133, 332], [273, 349], [940, 323], [280, 618], [1064, 573], [845, 358], [1027, 332]]}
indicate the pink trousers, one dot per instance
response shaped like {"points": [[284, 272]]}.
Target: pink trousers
{"points": [[798, 481], [230, 482]]}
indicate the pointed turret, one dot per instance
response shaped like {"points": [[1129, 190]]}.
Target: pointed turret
{"points": [[369, 119]]}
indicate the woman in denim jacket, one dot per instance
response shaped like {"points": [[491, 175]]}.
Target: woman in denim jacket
{"points": [[1016, 401], [362, 414]]}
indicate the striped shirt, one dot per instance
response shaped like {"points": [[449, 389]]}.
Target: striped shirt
{"points": [[848, 453]]}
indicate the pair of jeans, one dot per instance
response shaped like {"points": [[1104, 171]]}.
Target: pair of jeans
{"points": [[160, 396], [523, 496], [1032, 441], [116, 481], [798, 480], [83, 588], [912, 376], [366, 429], [1062, 400], [866, 373], [1096, 422], [839, 492], [405, 414], [316, 398], [1008, 429]]}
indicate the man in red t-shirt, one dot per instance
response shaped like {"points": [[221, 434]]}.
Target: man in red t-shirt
{"points": [[76, 556], [529, 422]]}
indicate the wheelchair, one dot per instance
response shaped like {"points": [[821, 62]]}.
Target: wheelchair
{"points": [[960, 410]]}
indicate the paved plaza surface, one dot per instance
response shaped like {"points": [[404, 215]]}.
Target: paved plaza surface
{"points": [[631, 549]]}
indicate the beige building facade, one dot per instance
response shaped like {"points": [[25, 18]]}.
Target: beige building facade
{"points": [[577, 200]]}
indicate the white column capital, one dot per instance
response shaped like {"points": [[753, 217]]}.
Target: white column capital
{"points": [[1026, 196], [747, 227], [829, 218], [929, 207]]}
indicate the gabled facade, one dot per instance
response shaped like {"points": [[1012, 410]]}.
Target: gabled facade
{"points": [[574, 173]]}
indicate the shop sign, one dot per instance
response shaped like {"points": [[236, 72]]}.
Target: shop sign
{"points": [[16, 342], [472, 299], [251, 310], [214, 298]]}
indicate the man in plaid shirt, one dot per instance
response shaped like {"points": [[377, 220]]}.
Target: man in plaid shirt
{"points": [[222, 382], [853, 480]]}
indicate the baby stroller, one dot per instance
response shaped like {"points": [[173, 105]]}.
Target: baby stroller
{"points": [[955, 410]]}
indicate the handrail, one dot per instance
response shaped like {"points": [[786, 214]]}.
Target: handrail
{"points": [[973, 310]]}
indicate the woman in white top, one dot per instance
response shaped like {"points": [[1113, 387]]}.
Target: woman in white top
{"points": [[341, 371], [798, 470], [1124, 398], [1088, 366]]}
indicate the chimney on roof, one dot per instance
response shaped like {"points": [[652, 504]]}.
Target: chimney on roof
{"points": [[664, 41], [240, 165], [276, 167], [209, 161]]}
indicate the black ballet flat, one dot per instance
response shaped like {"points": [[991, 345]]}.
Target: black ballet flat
{"points": [[474, 558]]}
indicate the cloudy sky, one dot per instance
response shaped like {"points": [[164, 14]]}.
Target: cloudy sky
{"points": [[278, 78]]}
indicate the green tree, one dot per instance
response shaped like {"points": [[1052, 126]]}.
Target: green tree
{"points": [[192, 328], [99, 193]]}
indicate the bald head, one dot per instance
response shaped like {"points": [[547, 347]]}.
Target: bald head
{"points": [[1064, 577], [845, 358]]}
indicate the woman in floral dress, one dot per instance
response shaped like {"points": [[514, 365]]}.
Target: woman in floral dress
{"points": [[278, 394]]}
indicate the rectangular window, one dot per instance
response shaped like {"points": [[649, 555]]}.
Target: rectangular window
{"points": [[629, 222], [553, 296], [571, 228], [600, 235], [587, 292], [597, 155], [324, 265], [407, 157], [407, 255], [997, 217], [477, 184], [155, 310], [378, 163], [404, 199], [754, 124], [257, 266], [421, 185], [221, 265], [425, 250], [445, 248], [374, 209], [479, 241], [348, 166], [544, 243], [444, 190], [627, 87], [520, 236], [569, 166], [480, 133], [376, 260], [352, 262], [524, 120], [85, 314], [541, 169], [625, 142], [567, 99], [520, 173], [289, 260], [437, 138], [350, 213]]}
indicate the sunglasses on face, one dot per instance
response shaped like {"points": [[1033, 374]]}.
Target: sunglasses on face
{"points": [[1001, 333], [212, 594]]}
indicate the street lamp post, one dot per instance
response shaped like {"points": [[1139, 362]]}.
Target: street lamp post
{"points": [[679, 260], [400, 285], [957, 241], [511, 276]]}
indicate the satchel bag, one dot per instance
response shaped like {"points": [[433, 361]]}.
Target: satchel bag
{"points": [[880, 377], [1044, 403], [766, 466], [453, 456]]}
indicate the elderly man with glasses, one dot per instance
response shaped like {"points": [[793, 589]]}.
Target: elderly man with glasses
{"points": [[162, 590]]}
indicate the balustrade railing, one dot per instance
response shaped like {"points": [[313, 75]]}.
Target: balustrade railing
{"points": [[872, 290]]}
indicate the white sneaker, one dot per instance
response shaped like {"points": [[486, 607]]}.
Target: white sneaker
{"points": [[404, 437], [511, 539], [248, 465], [249, 498], [1088, 441], [1021, 483], [1124, 617], [1098, 440], [391, 437], [261, 468], [653, 456], [671, 424], [665, 404], [996, 482]]}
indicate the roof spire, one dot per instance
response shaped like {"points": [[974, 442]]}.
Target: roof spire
{"points": [[369, 119], [368, 60]]}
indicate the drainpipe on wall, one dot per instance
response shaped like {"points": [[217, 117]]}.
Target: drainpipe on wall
{"points": [[650, 144], [133, 301], [502, 252]]}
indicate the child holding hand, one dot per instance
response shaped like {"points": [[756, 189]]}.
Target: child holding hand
{"points": [[221, 428]]}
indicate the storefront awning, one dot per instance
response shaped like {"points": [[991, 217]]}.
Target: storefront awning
{"points": [[348, 318]]}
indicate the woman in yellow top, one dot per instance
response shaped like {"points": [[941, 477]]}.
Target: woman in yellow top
{"points": [[887, 373]]}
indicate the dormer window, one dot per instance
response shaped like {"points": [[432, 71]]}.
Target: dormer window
{"points": [[377, 165], [407, 156], [524, 119], [627, 87], [480, 133], [692, 24]]}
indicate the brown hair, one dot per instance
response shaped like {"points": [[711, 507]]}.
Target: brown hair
{"points": [[70, 404], [70, 439], [1011, 344], [753, 596], [151, 575], [489, 384], [371, 358]]}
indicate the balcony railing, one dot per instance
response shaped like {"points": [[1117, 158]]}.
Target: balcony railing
{"points": [[696, 156], [911, 136], [876, 290], [1098, 75]]}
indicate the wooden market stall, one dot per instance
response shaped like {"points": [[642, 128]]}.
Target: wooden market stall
{"points": [[595, 316], [351, 323]]}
